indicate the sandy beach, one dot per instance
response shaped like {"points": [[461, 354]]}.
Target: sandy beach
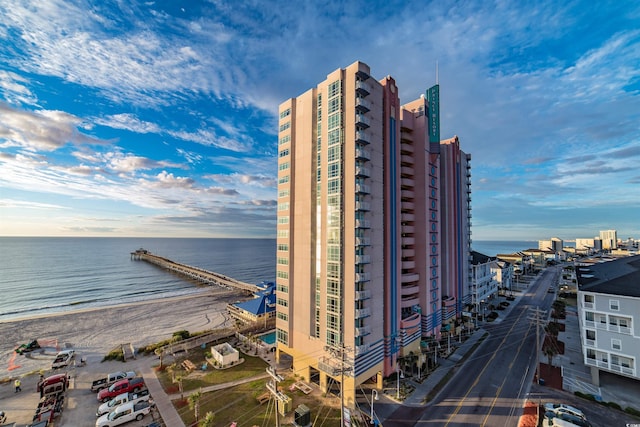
{"points": [[92, 333]]}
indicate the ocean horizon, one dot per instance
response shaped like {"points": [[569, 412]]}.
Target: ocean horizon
{"points": [[46, 275]]}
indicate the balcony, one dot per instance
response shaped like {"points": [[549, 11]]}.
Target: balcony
{"points": [[362, 137], [362, 105], [362, 312], [407, 182], [362, 349], [408, 265], [362, 331], [363, 241], [363, 259], [406, 229], [408, 241], [407, 159], [362, 295], [363, 206], [407, 147], [407, 194], [363, 223], [407, 171], [362, 277], [409, 302], [410, 290], [408, 252], [363, 171], [363, 189], [363, 88], [363, 154], [410, 278], [408, 206], [408, 217], [362, 121], [620, 329]]}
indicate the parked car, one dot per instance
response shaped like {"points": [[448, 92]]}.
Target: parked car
{"points": [[561, 408], [105, 382], [53, 385], [124, 413], [63, 359], [564, 420], [123, 386], [121, 399]]}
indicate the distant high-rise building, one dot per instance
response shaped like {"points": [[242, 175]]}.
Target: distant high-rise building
{"points": [[588, 246], [555, 245], [609, 239], [364, 194]]}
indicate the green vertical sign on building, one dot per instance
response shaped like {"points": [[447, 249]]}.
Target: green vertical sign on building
{"points": [[433, 98]]}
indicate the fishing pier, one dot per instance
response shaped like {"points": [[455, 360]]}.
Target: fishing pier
{"points": [[195, 273]]}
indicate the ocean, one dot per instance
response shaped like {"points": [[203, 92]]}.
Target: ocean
{"points": [[44, 275]]}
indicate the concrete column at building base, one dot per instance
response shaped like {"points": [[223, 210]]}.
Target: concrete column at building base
{"points": [[595, 376]]}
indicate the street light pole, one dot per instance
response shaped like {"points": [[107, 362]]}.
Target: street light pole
{"points": [[374, 396]]}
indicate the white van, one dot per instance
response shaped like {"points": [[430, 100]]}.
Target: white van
{"points": [[124, 413], [561, 408]]}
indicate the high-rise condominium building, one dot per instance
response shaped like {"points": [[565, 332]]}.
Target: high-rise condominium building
{"points": [[369, 261], [609, 239]]}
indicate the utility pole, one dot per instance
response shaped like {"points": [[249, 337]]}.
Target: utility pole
{"points": [[536, 315], [339, 353], [272, 386]]}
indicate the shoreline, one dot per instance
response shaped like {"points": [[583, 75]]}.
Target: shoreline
{"points": [[93, 332], [195, 294]]}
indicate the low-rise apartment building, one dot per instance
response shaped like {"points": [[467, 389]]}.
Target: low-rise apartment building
{"points": [[609, 312]]}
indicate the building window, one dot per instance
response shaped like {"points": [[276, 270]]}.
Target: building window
{"points": [[282, 336], [334, 88], [282, 316], [589, 298], [285, 113], [283, 233], [283, 302], [285, 126], [588, 315], [591, 335], [614, 305], [284, 153], [282, 275], [283, 206], [284, 139], [283, 166], [282, 288], [283, 193], [283, 220], [283, 247], [283, 179], [616, 344], [283, 261]]}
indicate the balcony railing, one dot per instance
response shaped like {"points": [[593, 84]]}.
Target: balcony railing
{"points": [[362, 121], [363, 241], [363, 154], [363, 105], [361, 349], [363, 206], [363, 88], [362, 277], [362, 312], [363, 330], [363, 259], [362, 295], [363, 189], [363, 223], [362, 137], [362, 171]]}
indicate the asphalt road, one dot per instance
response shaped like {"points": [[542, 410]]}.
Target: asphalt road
{"points": [[490, 389]]}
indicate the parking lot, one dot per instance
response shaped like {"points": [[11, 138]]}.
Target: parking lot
{"points": [[80, 402]]}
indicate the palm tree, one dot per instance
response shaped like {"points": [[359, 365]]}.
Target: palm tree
{"points": [[172, 370], [208, 419], [194, 402], [179, 380], [159, 352]]}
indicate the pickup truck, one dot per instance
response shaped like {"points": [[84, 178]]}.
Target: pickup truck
{"points": [[141, 396], [105, 382], [128, 385], [63, 358], [124, 413]]}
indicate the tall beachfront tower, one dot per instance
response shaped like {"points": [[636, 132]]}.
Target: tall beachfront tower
{"points": [[359, 234], [609, 239]]}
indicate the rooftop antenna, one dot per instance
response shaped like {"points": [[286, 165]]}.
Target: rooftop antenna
{"points": [[437, 82]]}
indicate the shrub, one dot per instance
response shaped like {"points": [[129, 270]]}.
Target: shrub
{"points": [[614, 405], [181, 335], [632, 411]]}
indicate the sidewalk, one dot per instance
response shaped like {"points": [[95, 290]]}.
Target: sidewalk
{"points": [[162, 400]]}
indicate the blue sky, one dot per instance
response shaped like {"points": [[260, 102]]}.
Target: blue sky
{"points": [[159, 118]]}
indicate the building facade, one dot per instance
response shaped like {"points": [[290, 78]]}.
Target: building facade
{"points": [[608, 314], [359, 234], [588, 246], [609, 239]]}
